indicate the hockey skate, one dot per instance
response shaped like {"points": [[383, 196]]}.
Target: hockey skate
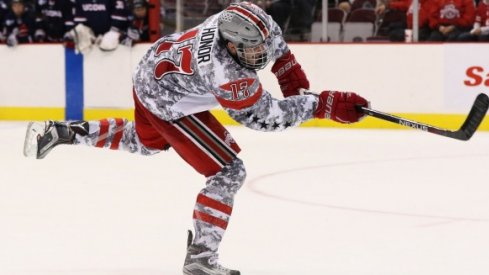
{"points": [[201, 261], [42, 137]]}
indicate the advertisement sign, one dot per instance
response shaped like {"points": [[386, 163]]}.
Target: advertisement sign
{"points": [[466, 74]]}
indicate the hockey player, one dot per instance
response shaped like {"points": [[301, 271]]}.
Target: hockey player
{"points": [[3, 12], [138, 30], [54, 19], [19, 24], [101, 15], [94, 18], [178, 80]]}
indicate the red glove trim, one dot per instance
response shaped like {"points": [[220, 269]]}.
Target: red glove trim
{"points": [[340, 106], [284, 64], [290, 75]]}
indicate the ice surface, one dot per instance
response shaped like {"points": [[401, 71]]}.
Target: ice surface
{"points": [[316, 201]]}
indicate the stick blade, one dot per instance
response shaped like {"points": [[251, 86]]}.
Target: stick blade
{"points": [[474, 119]]}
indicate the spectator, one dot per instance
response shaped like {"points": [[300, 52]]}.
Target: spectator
{"points": [[168, 16], [138, 30], [344, 5], [392, 18], [280, 10], [449, 18], [296, 25], [54, 19], [363, 4], [402, 10], [19, 24], [301, 20], [400, 6], [480, 30], [3, 13], [104, 18]]}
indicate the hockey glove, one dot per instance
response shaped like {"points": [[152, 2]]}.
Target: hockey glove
{"points": [[340, 106], [12, 40], [290, 75], [110, 40], [132, 35], [126, 41], [83, 38], [39, 35]]}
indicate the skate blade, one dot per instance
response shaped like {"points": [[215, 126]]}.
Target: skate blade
{"points": [[34, 129]]}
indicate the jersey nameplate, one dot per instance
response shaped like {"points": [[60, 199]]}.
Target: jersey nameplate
{"points": [[205, 45]]}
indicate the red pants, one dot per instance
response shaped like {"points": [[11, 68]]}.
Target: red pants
{"points": [[199, 139]]}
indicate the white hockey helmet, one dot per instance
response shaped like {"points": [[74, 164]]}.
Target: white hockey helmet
{"points": [[247, 27]]}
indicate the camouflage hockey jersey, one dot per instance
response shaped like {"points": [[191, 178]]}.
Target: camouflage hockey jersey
{"points": [[191, 72]]}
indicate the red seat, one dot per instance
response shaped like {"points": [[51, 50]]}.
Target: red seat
{"points": [[359, 25], [336, 18], [334, 15], [389, 17], [362, 15]]}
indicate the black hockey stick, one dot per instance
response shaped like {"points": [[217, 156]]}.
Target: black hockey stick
{"points": [[473, 120]]}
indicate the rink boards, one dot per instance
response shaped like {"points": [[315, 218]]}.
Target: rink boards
{"points": [[435, 83]]}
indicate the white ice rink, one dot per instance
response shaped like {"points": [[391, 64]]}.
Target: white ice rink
{"points": [[316, 201]]}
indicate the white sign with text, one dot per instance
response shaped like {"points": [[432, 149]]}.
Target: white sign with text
{"points": [[466, 74]]}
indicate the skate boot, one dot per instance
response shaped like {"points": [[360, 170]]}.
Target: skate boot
{"points": [[201, 261], [42, 137]]}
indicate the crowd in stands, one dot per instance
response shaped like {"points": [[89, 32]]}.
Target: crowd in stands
{"points": [[293, 16], [441, 20], [438, 20], [109, 23]]}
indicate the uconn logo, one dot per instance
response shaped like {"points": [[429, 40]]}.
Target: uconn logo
{"points": [[93, 7], [53, 13]]}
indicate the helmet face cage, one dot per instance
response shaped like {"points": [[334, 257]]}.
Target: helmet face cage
{"points": [[257, 57], [246, 26]]}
